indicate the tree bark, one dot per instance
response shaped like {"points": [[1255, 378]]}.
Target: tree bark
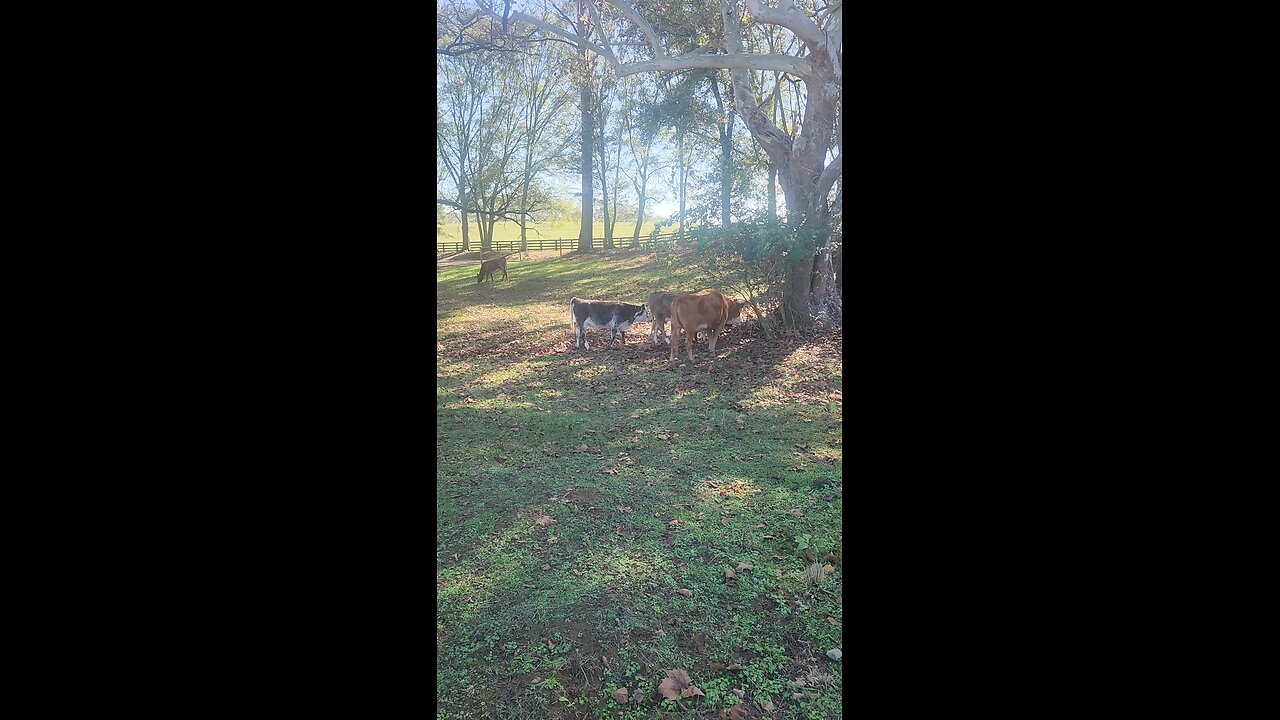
{"points": [[588, 138], [644, 182], [680, 161], [466, 231], [604, 188]]}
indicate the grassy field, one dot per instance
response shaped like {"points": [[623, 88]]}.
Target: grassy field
{"points": [[511, 231], [604, 519]]}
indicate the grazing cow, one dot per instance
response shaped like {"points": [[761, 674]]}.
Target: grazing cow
{"points": [[489, 267], [616, 316], [708, 310]]}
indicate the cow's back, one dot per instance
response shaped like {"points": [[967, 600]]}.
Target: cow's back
{"points": [[709, 308]]}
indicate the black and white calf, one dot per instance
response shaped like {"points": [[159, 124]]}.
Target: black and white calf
{"points": [[615, 316]]}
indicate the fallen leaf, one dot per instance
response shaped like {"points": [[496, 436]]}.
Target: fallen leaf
{"points": [[624, 508], [611, 471], [544, 521], [674, 523], [581, 448], [664, 436], [546, 567], [678, 685], [735, 666], [828, 567], [794, 511], [551, 645], [728, 573], [737, 713], [685, 592], [739, 693], [796, 696], [833, 621], [839, 493], [716, 666], [620, 695], [724, 521], [741, 419], [801, 445], [766, 706], [743, 566]]}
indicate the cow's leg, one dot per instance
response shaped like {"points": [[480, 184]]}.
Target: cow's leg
{"points": [[653, 328], [577, 336], [711, 342], [623, 335], [675, 333], [689, 335], [504, 273]]}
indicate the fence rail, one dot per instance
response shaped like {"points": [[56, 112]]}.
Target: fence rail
{"points": [[560, 244]]}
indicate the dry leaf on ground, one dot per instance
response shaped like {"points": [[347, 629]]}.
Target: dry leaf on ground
{"points": [[544, 521], [794, 511], [766, 706], [546, 567], [678, 685], [620, 695], [728, 573], [743, 566], [737, 713], [685, 592]]}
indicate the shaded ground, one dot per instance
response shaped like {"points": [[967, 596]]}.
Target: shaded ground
{"points": [[657, 479]]}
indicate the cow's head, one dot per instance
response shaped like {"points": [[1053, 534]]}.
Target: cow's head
{"points": [[480, 275], [735, 312], [640, 315]]}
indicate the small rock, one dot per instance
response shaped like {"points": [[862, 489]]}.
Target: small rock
{"points": [[834, 653]]}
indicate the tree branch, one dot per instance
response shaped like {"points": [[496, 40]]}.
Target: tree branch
{"points": [[829, 176], [739, 61], [791, 19], [654, 41]]}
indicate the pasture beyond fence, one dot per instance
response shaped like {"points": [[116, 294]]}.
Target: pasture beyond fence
{"points": [[652, 242]]}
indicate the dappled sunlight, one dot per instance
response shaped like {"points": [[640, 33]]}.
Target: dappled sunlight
{"points": [[716, 487]]}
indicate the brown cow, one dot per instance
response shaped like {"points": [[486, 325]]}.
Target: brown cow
{"points": [[708, 310], [489, 267]]}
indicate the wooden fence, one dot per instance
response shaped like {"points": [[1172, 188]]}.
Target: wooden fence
{"points": [[562, 245]]}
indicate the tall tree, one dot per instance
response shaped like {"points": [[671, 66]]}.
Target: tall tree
{"points": [[804, 172]]}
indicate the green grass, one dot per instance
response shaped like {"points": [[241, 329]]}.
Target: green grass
{"points": [[657, 477], [505, 230]]}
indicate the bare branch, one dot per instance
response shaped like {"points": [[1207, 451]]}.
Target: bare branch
{"points": [[572, 38], [604, 40], [654, 41], [829, 176], [739, 60], [791, 19]]}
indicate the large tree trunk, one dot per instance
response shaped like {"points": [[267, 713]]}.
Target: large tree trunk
{"points": [[773, 192], [644, 182], [484, 241], [588, 138], [680, 161], [466, 231], [524, 203], [604, 193], [725, 126]]}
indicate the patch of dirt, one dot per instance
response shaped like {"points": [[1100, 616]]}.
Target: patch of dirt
{"points": [[584, 496]]}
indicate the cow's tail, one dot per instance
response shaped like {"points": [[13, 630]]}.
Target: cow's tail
{"points": [[572, 321]]}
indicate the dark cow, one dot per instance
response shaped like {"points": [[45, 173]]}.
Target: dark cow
{"points": [[489, 267], [615, 316], [660, 308], [708, 310]]}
